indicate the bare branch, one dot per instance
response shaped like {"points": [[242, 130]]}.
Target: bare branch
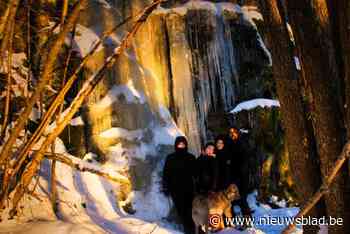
{"points": [[11, 14], [88, 168], [58, 100], [54, 51], [77, 102], [64, 11], [8, 85]]}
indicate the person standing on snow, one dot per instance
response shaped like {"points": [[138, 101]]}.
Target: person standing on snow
{"points": [[178, 181]]}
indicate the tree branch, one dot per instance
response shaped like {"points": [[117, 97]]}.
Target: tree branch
{"points": [[345, 155], [6, 23], [45, 77], [83, 166], [88, 86], [22, 155]]}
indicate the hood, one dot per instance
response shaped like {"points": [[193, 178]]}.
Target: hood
{"points": [[178, 140]]}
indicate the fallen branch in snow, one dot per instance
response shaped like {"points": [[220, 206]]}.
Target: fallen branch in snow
{"points": [[84, 166], [345, 155], [86, 89]]}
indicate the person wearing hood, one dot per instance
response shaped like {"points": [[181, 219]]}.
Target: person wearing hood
{"points": [[207, 170], [178, 181]]}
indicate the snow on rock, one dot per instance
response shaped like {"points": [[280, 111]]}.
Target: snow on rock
{"points": [[19, 73], [118, 158], [35, 114], [78, 121], [261, 210], [84, 40], [104, 3], [206, 5], [165, 135], [18, 59], [122, 133], [297, 63], [127, 91], [254, 103], [252, 12], [281, 203], [263, 46], [152, 201]]}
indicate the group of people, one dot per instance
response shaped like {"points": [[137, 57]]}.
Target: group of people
{"points": [[220, 163]]}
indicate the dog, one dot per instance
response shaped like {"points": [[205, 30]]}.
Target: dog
{"points": [[208, 210]]}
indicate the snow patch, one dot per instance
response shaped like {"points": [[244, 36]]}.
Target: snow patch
{"points": [[84, 40], [216, 8], [254, 103], [281, 203], [128, 91], [252, 12], [104, 3], [263, 46], [78, 121], [297, 63], [122, 133]]}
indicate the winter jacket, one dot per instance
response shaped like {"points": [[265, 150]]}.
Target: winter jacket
{"points": [[178, 173], [207, 173], [233, 164]]}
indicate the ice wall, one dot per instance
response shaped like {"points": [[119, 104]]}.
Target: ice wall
{"points": [[185, 58], [184, 64]]}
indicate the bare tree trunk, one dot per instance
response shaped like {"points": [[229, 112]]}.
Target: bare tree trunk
{"points": [[64, 11], [3, 19], [7, 26], [305, 171], [341, 22], [344, 156], [310, 21], [54, 51], [40, 35], [8, 85], [75, 105]]}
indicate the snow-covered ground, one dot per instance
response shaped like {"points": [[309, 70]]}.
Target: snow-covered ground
{"points": [[88, 204]]}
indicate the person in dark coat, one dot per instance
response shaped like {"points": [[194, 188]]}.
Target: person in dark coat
{"points": [[178, 181], [235, 164], [207, 170], [223, 159]]}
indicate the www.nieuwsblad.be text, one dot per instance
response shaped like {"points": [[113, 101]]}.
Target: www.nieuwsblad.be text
{"points": [[215, 220]]}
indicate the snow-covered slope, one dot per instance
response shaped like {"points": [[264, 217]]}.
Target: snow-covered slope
{"points": [[87, 204]]}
